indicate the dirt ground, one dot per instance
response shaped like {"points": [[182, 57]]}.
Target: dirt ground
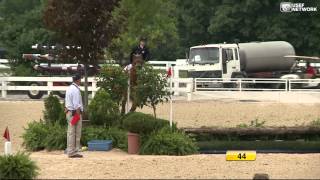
{"points": [[118, 164]]}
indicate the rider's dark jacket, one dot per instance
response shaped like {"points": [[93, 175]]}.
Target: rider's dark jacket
{"points": [[142, 51]]}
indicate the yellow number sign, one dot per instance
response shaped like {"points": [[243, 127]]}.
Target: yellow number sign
{"points": [[241, 155]]}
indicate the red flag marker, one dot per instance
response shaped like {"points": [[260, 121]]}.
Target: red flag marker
{"points": [[169, 72], [6, 134], [75, 119]]}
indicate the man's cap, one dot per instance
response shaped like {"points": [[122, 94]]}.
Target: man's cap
{"points": [[76, 77]]}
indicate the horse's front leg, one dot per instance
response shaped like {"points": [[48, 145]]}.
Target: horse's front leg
{"points": [[123, 104]]}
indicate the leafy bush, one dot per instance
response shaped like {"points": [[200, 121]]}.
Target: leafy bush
{"points": [[152, 87], [140, 123], [18, 166], [54, 111], [34, 136], [114, 81], [118, 136], [56, 138], [169, 142], [22, 69], [103, 110]]}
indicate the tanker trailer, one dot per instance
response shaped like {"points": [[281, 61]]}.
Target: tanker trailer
{"points": [[259, 58]]}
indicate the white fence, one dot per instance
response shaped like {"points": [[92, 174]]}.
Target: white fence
{"points": [[8, 84], [256, 84], [180, 85]]}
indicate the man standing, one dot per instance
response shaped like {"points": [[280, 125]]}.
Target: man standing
{"points": [[310, 71], [74, 108], [142, 50]]}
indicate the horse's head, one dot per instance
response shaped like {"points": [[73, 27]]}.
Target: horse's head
{"points": [[137, 59]]}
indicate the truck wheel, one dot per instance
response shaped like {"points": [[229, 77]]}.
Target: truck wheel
{"points": [[35, 94]]}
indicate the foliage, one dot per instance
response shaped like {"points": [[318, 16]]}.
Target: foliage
{"points": [[56, 138], [34, 136], [144, 124], [39, 136], [54, 111], [156, 21], [103, 110], [255, 123], [118, 136], [151, 89], [86, 26], [205, 21], [20, 27], [18, 166], [114, 81], [169, 142], [23, 69], [315, 122]]}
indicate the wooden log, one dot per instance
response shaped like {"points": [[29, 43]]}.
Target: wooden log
{"points": [[299, 130]]}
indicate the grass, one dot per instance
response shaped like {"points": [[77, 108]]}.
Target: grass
{"points": [[255, 123], [315, 122]]}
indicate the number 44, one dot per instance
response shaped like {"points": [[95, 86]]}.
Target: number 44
{"points": [[242, 156]]}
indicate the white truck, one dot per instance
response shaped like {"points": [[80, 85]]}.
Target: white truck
{"points": [[274, 59]]}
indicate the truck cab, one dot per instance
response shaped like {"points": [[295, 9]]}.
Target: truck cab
{"points": [[214, 61]]}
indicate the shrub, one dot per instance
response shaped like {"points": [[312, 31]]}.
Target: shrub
{"points": [[169, 142], [114, 81], [54, 111], [118, 136], [34, 135], [103, 110], [56, 138], [140, 123], [18, 166], [151, 89]]}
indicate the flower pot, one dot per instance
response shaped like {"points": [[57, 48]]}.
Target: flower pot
{"points": [[133, 143]]}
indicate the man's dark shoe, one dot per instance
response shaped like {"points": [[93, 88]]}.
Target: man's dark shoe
{"points": [[76, 156]]}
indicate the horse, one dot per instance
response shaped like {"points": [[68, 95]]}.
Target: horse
{"points": [[137, 62]]}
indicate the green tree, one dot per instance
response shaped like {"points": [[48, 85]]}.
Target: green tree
{"points": [[156, 21], [151, 89], [203, 22], [21, 26], [86, 26]]}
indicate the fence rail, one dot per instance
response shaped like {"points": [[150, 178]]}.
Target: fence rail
{"points": [[180, 85], [47, 84]]}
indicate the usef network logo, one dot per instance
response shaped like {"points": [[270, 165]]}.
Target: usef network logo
{"points": [[295, 7]]}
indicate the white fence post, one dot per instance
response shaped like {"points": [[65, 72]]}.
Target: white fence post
{"points": [[94, 88], [240, 83], [176, 76], [4, 89], [189, 90], [50, 85]]}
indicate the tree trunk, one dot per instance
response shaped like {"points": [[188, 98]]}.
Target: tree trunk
{"points": [[154, 111], [85, 104]]}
